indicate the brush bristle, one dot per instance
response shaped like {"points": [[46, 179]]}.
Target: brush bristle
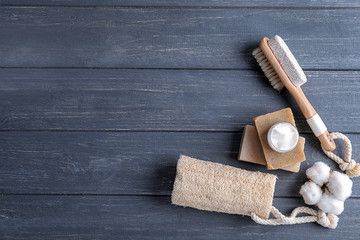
{"points": [[268, 69]]}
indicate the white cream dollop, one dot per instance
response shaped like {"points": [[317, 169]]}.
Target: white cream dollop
{"points": [[283, 137]]}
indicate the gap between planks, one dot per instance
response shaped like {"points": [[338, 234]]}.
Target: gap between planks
{"points": [[177, 7], [124, 195], [178, 69], [141, 131]]}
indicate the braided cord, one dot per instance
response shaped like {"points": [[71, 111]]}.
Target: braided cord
{"points": [[347, 164], [329, 221]]}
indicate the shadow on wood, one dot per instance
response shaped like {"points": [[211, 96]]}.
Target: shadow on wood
{"points": [[164, 179]]}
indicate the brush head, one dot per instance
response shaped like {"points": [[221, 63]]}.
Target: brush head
{"points": [[268, 69], [287, 61]]}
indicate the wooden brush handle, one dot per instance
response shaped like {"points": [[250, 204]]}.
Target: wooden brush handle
{"points": [[299, 96], [309, 112]]}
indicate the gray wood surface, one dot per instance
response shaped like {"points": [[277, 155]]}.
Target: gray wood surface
{"points": [[99, 98], [159, 100], [129, 162], [173, 38], [150, 217], [190, 3]]}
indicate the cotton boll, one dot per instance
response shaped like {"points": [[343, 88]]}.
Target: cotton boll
{"points": [[331, 205], [311, 193], [339, 185], [319, 173]]}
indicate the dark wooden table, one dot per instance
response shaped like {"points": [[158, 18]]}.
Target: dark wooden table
{"points": [[99, 98]]}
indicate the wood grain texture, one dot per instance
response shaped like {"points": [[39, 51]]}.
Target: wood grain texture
{"points": [[117, 90], [171, 100], [173, 38], [190, 3], [112, 217], [128, 163]]}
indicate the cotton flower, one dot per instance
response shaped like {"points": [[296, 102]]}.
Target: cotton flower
{"points": [[337, 188], [319, 173], [311, 193], [339, 185], [331, 205]]}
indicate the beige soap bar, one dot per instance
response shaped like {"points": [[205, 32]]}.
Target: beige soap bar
{"points": [[251, 150], [275, 160]]}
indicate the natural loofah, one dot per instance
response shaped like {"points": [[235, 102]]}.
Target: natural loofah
{"points": [[216, 187], [339, 185], [331, 205], [319, 173], [311, 193]]}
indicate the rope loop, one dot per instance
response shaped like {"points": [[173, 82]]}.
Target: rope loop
{"points": [[344, 166], [328, 221], [347, 164]]}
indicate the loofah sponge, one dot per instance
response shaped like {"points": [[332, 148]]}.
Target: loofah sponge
{"points": [[216, 187]]}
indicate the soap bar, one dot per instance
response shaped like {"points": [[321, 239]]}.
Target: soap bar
{"points": [[251, 150], [276, 160]]}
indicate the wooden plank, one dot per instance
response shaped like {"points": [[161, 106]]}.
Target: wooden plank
{"points": [[142, 100], [128, 162], [189, 3], [113, 217], [173, 37]]}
